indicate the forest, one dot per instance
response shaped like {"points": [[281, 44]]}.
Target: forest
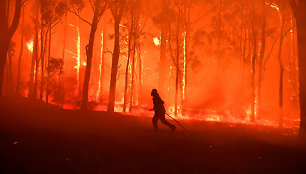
{"points": [[241, 57], [89, 66]]}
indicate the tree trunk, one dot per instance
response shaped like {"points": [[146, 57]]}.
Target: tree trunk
{"points": [[20, 55], [133, 73], [79, 84], [102, 62], [3, 54], [42, 59], [281, 75], [8, 68], [89, 53], [128, 63], [6, 34], [140, 74], [162, 59], [261, 57], [301, 30], [48, 64], [33, 85], [299, 10], [177, 64], [62, 84], [253, 68], [115, 59], [187, 24]]}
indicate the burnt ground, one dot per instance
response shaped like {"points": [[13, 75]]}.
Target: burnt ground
{"points": [[40, 138]]}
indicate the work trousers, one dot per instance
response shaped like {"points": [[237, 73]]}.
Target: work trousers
{"points": [[161, 117]]}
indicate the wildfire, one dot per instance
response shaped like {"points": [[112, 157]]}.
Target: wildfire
{"points": [[156, 41], [99, 81], [272, 5], [118, 105], [77, 56], [30, 45], [184, 66]]}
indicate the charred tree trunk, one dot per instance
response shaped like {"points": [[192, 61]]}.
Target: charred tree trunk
{"points": [[33, 76], [261, 57], [6, 34], [36, 69], [48, 64], [128, 62], [140, 73], [115, 59], [89, 53], [299, 10], [36, 45], [133, 74], [301, 30], [3, 54], [177, 63], [253, 68], [62, 84], [281, 71], [42, 57], [117, 10], [9, 73], [20, 55]]}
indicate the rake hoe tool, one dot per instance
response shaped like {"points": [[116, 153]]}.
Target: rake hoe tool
{"points": [[178, 123]]}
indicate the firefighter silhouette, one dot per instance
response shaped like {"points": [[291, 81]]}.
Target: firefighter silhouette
{"points": [[159, 111]]}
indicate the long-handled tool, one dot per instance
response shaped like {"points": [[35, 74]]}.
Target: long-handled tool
{"points": [[178, 123]]}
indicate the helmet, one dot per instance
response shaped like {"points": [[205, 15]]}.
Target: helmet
{"points": [[153, 92]]}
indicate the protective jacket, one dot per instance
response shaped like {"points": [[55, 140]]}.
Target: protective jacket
{"points": [[158, 105]]}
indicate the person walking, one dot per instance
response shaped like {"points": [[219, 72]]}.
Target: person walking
{"points": [[159, 111]]}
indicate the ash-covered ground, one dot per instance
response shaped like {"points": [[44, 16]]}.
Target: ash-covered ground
{"points": [[41, 138]]}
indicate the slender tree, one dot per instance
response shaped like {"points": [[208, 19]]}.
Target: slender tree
{"points": [[299, 11], [32, 83], [261, 56], [103, 49], [117, 8], [253, 63], [281, 68], [99, 8], [130, 40], [6, 33], [20, 54]]}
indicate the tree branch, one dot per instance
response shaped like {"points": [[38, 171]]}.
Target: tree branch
{"points": [[102, 10], [15, 22], [92, 5], [280, 36], [80, 17]]}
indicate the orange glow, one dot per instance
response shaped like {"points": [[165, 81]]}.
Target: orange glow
{"points": [[184, 66], [156, 41], [213, 53], [30, 45]]}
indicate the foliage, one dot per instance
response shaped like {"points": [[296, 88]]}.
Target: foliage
{"points": [[55, 69], [52, 11]]}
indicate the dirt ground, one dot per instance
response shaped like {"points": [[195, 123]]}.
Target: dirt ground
{"points": [[40, 138]]}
